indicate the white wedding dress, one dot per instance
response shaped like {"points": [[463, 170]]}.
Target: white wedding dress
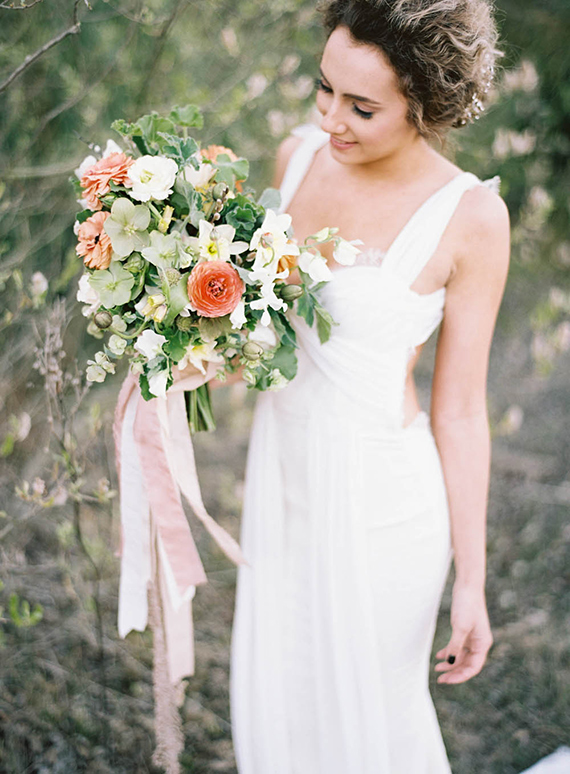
{"points": [[346, 529]]}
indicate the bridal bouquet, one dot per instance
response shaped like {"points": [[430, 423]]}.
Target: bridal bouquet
{"points": [[184, 267]]}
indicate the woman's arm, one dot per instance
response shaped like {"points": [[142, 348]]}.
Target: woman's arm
{"points": [[459, 417]]}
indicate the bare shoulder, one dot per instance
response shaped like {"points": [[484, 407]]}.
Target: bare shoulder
{"points": [[482, 234], [283, 153]]}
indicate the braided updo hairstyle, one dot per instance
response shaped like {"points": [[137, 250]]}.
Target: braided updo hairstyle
{"points": [[443, 52]]}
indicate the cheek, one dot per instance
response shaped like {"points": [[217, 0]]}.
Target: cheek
{"points": [[322, 101]]}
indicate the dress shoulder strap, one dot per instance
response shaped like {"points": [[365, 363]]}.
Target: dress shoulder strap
{"points": [[418, 240], [300, 161]]}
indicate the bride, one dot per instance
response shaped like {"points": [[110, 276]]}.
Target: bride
{"points": [[356, 500]]}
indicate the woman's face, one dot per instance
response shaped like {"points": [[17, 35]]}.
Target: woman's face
{"points": [[377, 125]]}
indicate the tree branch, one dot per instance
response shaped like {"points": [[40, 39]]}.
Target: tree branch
{"points": [[31, 58], [12, 7]]}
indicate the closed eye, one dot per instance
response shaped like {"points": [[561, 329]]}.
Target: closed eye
{"points": [[319, 84]]}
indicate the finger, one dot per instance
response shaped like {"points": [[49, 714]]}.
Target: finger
{"points": [[472, 665], [454, 652]]}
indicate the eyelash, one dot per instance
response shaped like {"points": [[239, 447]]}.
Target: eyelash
{"points": [[362, 113]]}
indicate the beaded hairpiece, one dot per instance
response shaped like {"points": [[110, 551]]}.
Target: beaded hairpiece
{"points": [[475, 108]]}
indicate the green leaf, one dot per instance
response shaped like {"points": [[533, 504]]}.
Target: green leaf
{"points": [[285, 360], [189, 115], [150, 126], [175, 347], [324, 322], [306, 307], [177, 147], [82, 216], [270, 199], [229, 171], [145, 390], [283, 328]]}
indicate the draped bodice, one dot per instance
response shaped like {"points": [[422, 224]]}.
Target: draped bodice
{"points": [[381, 320]]}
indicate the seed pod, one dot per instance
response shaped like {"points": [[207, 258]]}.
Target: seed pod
{"points": [[289, 292], [103, 319], [251, 350], [219, 191], [184, 324]]}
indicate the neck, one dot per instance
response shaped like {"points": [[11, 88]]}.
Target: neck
{"points": [[399, 167]]}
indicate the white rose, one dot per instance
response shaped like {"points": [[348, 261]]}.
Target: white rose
{"points": [[152, 177], [198, 177], [149, 344], [86, 164]]}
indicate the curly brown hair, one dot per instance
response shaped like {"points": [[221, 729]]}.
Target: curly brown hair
{"points": [[443, 52]]}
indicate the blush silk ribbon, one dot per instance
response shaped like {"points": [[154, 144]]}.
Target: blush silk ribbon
{"points": [[155, 462]]}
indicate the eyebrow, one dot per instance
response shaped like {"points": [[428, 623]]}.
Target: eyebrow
{"points": [[354, 96]]}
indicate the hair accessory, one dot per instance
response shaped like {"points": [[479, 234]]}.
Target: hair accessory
{"points": [[474, 110]]}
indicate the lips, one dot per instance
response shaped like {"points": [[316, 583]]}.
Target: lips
{"points": [[340, 143]]}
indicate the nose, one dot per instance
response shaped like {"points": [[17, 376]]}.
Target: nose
{"points": [[332, 120]]}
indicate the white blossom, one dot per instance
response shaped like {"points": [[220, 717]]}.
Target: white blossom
{"points": [[149, 344]]}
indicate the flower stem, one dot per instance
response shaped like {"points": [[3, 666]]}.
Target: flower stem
{"points": [[199, 409]]}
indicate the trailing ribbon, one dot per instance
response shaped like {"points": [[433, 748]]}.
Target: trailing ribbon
{"points": [[155, 462]]}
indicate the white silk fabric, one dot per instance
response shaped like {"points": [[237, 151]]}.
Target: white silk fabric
{"points": [[345, 529]]}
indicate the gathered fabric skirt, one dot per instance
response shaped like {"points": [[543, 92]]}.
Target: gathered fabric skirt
{"points": [[346, 530]]}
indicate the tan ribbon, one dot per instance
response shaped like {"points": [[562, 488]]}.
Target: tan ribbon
{"points": [[165, 466]]}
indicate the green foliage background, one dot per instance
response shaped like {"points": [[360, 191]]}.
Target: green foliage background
{"points": [[72, 696]]}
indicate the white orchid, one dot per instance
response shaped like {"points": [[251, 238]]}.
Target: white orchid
{"points": [[86, 294], [270, 242], [152, 177], [215, 243], [237, 317], [149, 344], [345, 252], [315, 266], [157, 383], [197, 353], [263, 335], [268, 300]]}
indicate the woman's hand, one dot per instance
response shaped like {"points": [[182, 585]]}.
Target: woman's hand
{"points": [[471, 636]]}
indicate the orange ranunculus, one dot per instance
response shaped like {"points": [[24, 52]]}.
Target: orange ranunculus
{"points": [[96, 181], [94, 243], [213, 151], [214, 288]]}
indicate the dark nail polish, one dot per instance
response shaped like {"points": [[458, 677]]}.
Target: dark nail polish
{"points": [[451, 659]]}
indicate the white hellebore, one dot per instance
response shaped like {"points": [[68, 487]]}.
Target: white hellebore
{"points": [[315, 266], [196, 353], [149, 344], [152, 177], [198, 177], [87, 295], [345, 252], [270, 242], [214, 243]]}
